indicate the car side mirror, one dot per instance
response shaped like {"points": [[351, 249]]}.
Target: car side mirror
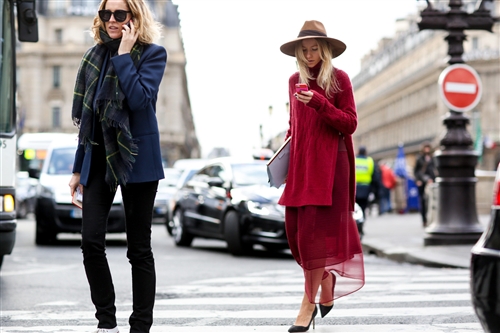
{"points": [[215, 181], [34, 173]]}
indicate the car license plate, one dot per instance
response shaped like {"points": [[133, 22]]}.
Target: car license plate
{"points": [[76, 213]]}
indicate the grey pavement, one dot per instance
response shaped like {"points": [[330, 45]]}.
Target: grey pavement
{"points": [[400, 237]]}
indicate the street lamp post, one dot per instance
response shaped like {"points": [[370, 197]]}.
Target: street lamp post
{"points": [[457, 221]]}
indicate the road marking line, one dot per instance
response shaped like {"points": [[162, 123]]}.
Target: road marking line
{"points": [[249, 289], [253, 314], [352, 299], [462, 327]]}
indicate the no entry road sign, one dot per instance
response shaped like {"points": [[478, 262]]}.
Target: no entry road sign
{"points": [[460, 87]]}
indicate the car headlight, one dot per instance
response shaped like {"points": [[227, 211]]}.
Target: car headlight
{"points": [[266, 209], [7, 203]]}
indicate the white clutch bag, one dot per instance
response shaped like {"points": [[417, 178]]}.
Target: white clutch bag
{"points": [[277, 167]]}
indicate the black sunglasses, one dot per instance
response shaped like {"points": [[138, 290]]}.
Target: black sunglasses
{"points": [[120, 15]]}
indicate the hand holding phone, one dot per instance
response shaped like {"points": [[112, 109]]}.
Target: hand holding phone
{"points": [[301, 87], [129, 37]]}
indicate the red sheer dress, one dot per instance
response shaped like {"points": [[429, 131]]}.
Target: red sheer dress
{"points": [[326, 237]]}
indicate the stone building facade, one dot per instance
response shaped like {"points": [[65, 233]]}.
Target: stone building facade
{"points": [[397, 96], [46, 73]]}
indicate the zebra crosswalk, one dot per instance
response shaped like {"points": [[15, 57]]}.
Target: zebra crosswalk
{"points": [[402, 298]]}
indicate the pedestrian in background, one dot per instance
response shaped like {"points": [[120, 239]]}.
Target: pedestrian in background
{"points": [[425, 174], [366, 178], [319, 194], [114, 107], [387, 184]]}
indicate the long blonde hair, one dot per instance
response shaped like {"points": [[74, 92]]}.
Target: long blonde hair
{"points": [[149, 29], [326, 78]]}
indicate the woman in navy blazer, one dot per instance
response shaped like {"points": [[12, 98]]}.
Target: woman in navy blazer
{"points": [[114, 107]]}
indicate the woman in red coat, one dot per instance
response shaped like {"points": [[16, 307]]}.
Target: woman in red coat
{"points": [[320, 189]]}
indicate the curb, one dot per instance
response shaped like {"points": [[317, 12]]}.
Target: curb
{"points": [[431, 256]]}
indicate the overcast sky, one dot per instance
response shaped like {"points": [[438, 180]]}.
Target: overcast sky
{"points": [[236, 71]]}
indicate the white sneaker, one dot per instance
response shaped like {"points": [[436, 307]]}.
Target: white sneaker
{"points": [[107, 330]]}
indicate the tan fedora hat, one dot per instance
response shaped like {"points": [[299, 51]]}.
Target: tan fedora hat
{"points": [[313, 29]]}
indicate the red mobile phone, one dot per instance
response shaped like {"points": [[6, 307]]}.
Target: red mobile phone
{"points": [[301, 87]]}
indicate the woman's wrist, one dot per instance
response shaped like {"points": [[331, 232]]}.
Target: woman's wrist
{"points": [[316, 101]]}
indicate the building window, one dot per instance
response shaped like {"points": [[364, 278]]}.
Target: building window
{"points": [[56, 117], [56, 83], [83, 7], [58, 33], [58, 7], [475, 43]]}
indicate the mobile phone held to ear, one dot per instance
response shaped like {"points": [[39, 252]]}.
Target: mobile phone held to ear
{"points": [[301, 87], [128, 23]]}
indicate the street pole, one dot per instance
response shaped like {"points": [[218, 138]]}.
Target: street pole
{"points": [[457, 221]]}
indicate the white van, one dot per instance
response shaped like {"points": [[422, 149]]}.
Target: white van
{"points": [[32, 149], [54, 211]]}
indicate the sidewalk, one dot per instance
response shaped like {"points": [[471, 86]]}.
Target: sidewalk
{"points": [[400, 237]]}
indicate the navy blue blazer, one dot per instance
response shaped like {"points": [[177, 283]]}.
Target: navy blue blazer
{"points": [[140, 85]]}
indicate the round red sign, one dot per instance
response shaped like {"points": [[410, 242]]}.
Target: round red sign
{"points": [[460, 87]]}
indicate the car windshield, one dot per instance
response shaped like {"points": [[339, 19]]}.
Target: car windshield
{"points": [[185, 177], [61, 161], [250, 174]]}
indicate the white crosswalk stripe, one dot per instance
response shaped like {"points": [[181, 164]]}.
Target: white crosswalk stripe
{"points": [[409, 300]]}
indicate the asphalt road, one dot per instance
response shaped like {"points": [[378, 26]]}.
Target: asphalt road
{"points": [[205, 289]]}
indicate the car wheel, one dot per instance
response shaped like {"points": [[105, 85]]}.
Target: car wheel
{"points": [[44, 237], [232, 234], [179, 232], [22, 210], [169, 225]]}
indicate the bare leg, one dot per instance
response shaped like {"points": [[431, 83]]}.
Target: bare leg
{"points": [[312, 282], [326, 297], [305, 312]]}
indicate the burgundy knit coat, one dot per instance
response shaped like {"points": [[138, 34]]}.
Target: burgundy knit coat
{"points": [[315, 128]]}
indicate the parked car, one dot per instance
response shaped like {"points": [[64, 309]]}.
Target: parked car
{"points": [[231, 200], [190, 163], [188, 168], [166, 190], [25, 194], [54, 211]]}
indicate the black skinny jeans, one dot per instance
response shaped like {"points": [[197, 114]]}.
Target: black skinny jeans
{"points": [[138, 200]]}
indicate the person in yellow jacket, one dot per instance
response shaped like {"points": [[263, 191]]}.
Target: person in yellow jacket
{"points": [[366, 178]]}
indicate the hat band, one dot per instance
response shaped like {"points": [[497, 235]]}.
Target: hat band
{"points": [[304, 33]]}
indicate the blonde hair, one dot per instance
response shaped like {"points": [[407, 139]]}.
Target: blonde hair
{"points": [[144, 22], [326, 78]]}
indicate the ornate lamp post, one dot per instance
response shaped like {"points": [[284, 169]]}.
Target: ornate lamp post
{"points": [[457, 221]]}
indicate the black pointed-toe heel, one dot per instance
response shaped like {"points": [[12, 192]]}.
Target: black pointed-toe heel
{"points": [[324, 309], [296, 328]]}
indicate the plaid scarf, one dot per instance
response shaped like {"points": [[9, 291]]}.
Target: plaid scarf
{"points": [[119, 144]]}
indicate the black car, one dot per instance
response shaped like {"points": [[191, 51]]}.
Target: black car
{"points": [[165, 192], [230, 200], [186, 175]]}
